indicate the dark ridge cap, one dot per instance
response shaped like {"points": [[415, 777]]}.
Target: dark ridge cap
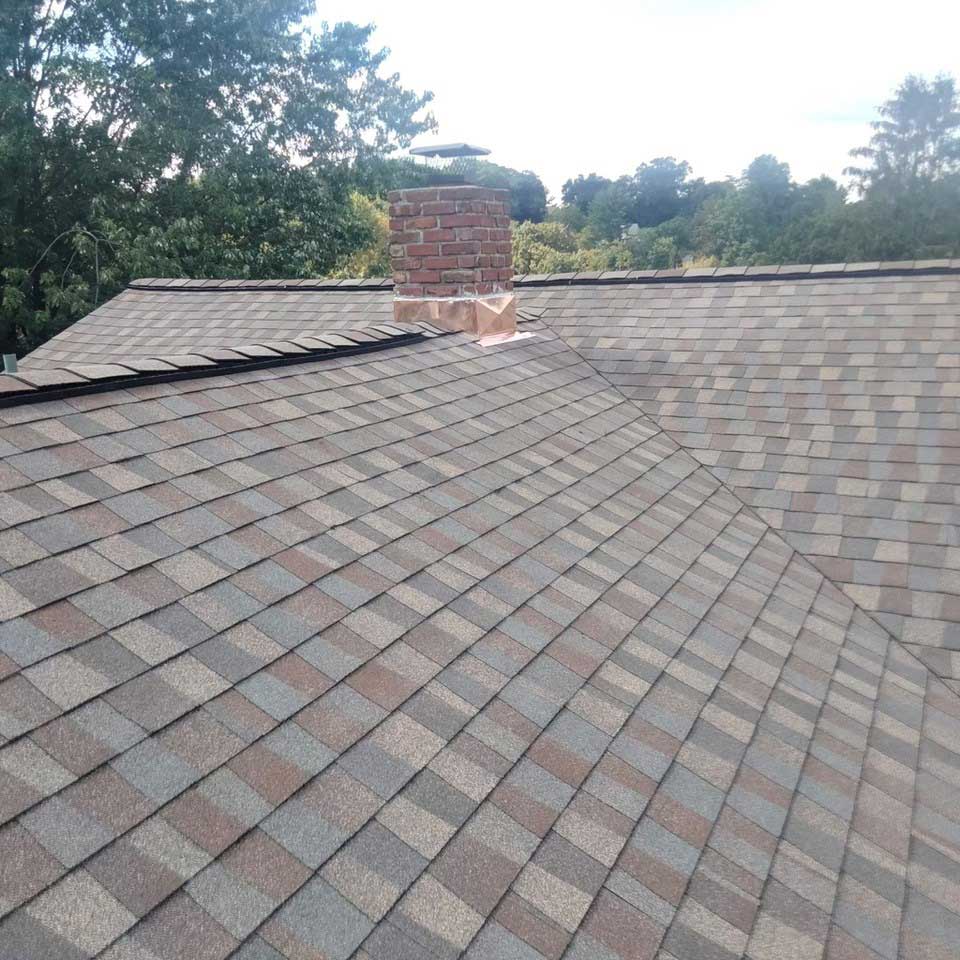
{"points": [[292, 286], [795, 271], [74, 379]]}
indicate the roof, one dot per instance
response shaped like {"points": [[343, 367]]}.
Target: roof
{"points": [[830, 406], [429, 650], [160, 317]]}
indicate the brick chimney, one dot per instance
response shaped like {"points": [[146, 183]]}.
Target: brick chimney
{"points": [[451, 258]]}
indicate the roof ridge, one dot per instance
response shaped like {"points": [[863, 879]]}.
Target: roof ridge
{"points": [[28, 385], [871, 268]]}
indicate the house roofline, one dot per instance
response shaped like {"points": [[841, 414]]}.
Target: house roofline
{"points": [[794, 271]]}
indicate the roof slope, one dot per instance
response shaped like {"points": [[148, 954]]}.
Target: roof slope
{"points": [[165, 317], [832, 406], [441, 651], [149, 322]]}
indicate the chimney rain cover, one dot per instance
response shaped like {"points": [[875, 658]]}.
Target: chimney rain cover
{"points": [[449, 162]]}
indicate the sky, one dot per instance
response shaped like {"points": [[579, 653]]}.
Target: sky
{"points": [[565, 88]]}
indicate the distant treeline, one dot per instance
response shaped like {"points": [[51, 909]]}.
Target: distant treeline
{"points": [[904, 204]]}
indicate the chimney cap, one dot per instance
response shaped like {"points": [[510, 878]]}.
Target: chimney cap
{"points": [[446, 150]]}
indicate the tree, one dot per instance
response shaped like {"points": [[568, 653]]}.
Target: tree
{"points": [[104, 103], [612, 210], [915, 142], [528, 195], [910, 183], [659, 191], [544, 248], [582, 191]]}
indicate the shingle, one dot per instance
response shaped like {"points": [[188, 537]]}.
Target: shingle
{"points": [[179, 927], [322, 920], [80, 911], [67, 833], [22, 707], [154, 771], [28, 939], [236, 906], [29, 868], [307, 836]]}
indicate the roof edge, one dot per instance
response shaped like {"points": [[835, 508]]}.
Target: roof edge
{"points": [[795, 271], [73, 379]]}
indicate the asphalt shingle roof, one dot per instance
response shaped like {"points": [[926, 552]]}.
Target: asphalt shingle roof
{"points": [[149, 322], [439, 651], [830, 406]]}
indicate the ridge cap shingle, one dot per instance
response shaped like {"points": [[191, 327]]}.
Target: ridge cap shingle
{"points": [[591, 277]]}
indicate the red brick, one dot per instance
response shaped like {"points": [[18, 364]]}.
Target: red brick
{"points": [[423, 249], [418, 194], [473, 233], [450, 241], [460, 247], [441, 206], [468, 192], [455, 276], [462, 220], [432, 236]]}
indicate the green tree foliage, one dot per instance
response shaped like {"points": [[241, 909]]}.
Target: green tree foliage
{"points": [[182, 136], [553, 247], [186, 138], [611, 210], [907, 207], [528, 195], [660, 190], [581, 192], [915, 142]]}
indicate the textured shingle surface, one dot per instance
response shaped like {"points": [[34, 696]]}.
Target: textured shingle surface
{"points": [[433, 652], [830, 406], [141, 322]]}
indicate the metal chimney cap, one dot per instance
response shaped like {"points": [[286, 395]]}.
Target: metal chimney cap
{"points": [[450, 150]]}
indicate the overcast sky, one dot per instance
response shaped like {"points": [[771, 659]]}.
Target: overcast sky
{"points": [[566, 88]]}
